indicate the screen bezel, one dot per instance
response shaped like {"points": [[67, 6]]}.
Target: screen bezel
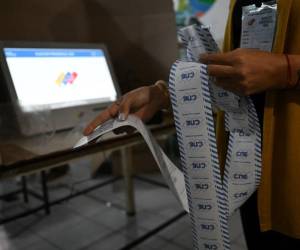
{"points": [[49, 45]]}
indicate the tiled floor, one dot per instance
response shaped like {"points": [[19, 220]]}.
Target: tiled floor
{"points": [[97, 220]]}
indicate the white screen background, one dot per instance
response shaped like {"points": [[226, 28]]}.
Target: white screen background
{"points": [[35, 81]]}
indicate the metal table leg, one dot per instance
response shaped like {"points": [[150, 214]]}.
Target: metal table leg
{"points": [[24, 189], [45, 192], [126, 157]]}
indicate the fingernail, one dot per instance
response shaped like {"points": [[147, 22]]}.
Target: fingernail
{"points": [[121, 117]]}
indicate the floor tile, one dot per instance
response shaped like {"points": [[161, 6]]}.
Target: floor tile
{"points": [[133, 231], [170, 211], [149, 220], [76, 237], [113, 218], [113, 242], [58, 192], [85, 205], [39, 245], [5, 242], [157, 243], [22, 239], [84, 183], [86, 222], [12, 208], [154, 242], [171, 246], [184, 239], [149, 196], [174, 230], [114, 192], [61, 218]]}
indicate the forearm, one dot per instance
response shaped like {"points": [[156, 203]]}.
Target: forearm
{"points": [[294, 61], [284, 70]]}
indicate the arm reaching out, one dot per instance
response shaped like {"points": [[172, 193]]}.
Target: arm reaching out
{"points": [[250, 71], [143, 102]]}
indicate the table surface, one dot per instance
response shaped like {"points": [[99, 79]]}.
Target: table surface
{"points": [[26, 155]]}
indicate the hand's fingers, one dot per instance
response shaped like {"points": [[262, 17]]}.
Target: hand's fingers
{"points": [[114, 109], [143, 114], [107, 114], [223, 81], [230, 85], [216, 58], [125, 107], [102, 117], [223, 71]]}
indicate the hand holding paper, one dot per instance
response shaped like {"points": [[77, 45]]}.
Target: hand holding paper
{"points": [[247, 71], [143, 102], [173, 176]]}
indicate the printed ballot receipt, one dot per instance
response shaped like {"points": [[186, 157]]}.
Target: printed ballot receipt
{"points": [[173, 176], [209, 197]]}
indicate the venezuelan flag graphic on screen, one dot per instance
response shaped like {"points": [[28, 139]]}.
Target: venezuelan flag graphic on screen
{"points": [[66, 78]]}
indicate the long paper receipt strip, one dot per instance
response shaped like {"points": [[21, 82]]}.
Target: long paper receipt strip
{"points": [[173, 176], [209, 197], [212, 198]]}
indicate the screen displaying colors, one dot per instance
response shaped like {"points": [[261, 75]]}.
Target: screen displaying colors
{"points": [[58, 78]]}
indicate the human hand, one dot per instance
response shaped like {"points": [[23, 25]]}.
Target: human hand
{"points": [[143, 102], [247, 71]]}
